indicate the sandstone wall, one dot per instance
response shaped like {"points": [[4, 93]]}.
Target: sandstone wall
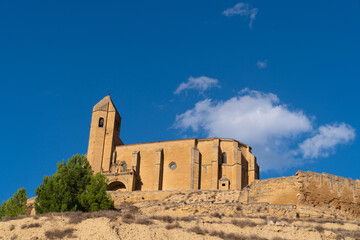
{"points": [[307, 194], [330, 194]]}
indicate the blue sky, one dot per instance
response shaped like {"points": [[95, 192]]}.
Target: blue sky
{"points": [[281, 76]]}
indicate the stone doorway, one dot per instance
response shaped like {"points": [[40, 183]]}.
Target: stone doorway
{"points": [[116, 186]]}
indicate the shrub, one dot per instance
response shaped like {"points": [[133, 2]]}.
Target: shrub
{"points": [[167, 219], [216, 214], [144, 221], [220, 234], [128, 218], [31, 225], [186, 219], [255, 237], [319, 228], [198, 230], [172, 226], [73, 188], [129, 207], [77, 217], [243, 223], [54, 234], [288, 220]]}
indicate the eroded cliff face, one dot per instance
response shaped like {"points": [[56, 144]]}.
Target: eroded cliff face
{"points": [[306, 194], [331, 194]]}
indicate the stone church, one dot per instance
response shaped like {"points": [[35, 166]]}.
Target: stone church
{"points": [[210, 163]]}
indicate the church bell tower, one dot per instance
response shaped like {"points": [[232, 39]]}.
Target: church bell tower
{"points": [[104, 135]]}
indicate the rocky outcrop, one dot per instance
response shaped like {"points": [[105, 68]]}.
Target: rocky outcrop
{"points": [[306, 194], [333, 195]]}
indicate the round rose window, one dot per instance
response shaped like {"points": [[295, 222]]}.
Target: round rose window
{"points": [[173, 166]]}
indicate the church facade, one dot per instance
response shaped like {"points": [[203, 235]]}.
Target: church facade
{"points": [[211, 163]]}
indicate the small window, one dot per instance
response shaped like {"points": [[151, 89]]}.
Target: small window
{"points": [[224, 158], [223, 184], [172, 166], [101, 122]]}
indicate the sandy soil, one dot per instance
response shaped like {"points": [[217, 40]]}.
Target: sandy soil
{"points": [[114, 225]]}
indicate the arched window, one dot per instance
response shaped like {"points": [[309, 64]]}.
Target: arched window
{"points": [[101, 122], [224, 158]]}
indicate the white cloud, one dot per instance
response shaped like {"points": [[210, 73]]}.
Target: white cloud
{"points": [[255, 117], [325, 141], [271, 128], [242, 9], [200, 83], [262, 64]]}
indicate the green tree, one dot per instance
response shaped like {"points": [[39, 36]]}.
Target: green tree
{"points": [[2, 210], [94, 198], [14, 206], [73, 188]]}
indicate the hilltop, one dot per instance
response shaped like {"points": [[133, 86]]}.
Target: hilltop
{"points": [[307, 205]]}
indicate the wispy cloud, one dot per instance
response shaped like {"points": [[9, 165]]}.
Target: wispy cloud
{"points": [[271, 128], [326, 139], [262, 64], [200, 83], [242, 9]]}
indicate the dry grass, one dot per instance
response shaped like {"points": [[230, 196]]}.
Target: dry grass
{"points": [[319, 228], [198, 230], [220, 234], [60, 234], [243, 223], [322, 220], [128, 218], [342, 233], [31, 225], [7, 218], [167, 219], [216, 215], [12, 227], [78, 217], [288, 220], [186, 219], [223, 235], [144, 221], [172, 226]]}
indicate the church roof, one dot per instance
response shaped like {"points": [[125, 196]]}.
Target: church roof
{"points": [[106, 104]]}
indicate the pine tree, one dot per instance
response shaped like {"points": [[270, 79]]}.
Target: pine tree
{"points": [[14, 206], [73, 188]]}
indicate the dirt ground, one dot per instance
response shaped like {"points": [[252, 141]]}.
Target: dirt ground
{"points": [[134, 224]]}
